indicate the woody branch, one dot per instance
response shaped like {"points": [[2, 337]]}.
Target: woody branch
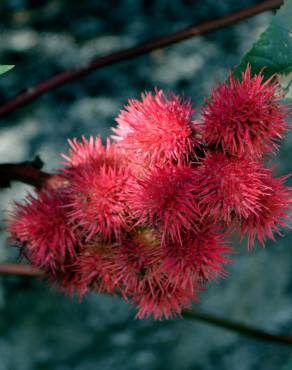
{"points": [[62, 78]]}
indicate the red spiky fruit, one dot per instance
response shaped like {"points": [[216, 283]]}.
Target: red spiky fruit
{"points": [[273, 215], [42, 227], [157, 128], [199, 258], [230, 188], [165, 198], [245, 117]]}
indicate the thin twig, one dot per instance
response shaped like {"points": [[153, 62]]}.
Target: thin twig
{"points": [[246, 330], [25, 173], [34, 92], [249, 331], [28, 174], [19, 270]]}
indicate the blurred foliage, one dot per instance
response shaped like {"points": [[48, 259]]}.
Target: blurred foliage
{"points": [[5, 68], [272, 53]]}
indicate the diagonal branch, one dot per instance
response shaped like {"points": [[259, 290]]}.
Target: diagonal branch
{"points": [[62, 78], [26, 172], [249, 331], [19, 270], [237, 327], [29, 173]]}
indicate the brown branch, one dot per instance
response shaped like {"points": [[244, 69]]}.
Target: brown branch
{"points": [[249, 331], [25, 173], [28, 173], [19, 270], [239, 328], [34, 92]]}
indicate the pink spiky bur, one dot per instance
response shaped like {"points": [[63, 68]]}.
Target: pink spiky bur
{"points": [[245, 117], [199, 258], [42, 223], [97, 180], [157, 128], [149, 216], [97, 200], [230, 188], [276, 204], [90, 151], [84, 151], [165, 198]]}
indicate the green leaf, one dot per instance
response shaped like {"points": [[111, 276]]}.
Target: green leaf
{"points": [[273, 50], [5, 68], [288, 365]]}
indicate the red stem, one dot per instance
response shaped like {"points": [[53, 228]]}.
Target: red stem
{"points": [[24, 173], [62, 78], [243, 329], [28, 174], [19, 270]]}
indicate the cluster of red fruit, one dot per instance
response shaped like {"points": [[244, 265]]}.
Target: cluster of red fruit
{"points": [[147, 217]]}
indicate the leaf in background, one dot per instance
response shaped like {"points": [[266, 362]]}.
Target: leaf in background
{"points": [[288, 365], [5, 68], [273, 50]]}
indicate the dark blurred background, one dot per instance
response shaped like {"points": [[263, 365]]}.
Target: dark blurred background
{"points": [[39, 327]]}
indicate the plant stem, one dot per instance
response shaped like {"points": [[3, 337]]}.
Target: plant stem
{"points": [[29, 174], [239, 328], [25, 173], [62, 78], [19, 270]]}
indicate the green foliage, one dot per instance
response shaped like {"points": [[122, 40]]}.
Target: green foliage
{"points": [[5, 68], [288, 365], [273, 51]]}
